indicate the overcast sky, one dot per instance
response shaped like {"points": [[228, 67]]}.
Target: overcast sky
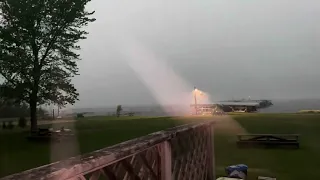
{"points": [[228, 48]]}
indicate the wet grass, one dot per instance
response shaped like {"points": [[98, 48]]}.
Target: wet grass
{"points": [[17, 154], [283, 163], [92, 133]]}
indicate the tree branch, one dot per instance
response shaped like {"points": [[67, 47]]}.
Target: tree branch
{"points": [[50, 44], [9, 80]]}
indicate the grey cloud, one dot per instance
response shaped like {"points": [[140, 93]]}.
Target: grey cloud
{"points": [[229, 48]]}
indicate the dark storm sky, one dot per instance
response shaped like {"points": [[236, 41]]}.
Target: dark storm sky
{"points": [[228, 48]]}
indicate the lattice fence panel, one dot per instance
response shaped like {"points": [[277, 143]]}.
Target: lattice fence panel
{"points": [[141, 166], [189, 154]]}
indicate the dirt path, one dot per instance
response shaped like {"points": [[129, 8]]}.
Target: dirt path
{"points": [[63, 149]]}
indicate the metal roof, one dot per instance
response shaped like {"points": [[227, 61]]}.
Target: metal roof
{"points": [[239, 103], [229, 103]]}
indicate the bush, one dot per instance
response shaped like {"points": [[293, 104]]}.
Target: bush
{"points": [[4, 126], [119, 110], [80, 115], [22, 122]]}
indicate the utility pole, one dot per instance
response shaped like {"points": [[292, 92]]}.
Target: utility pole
{"points": [[195, 100]]}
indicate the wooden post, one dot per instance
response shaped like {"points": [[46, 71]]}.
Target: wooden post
{"points": [[166, 161]]}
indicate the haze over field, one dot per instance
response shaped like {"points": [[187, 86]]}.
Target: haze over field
{"points": [[146, 52]]}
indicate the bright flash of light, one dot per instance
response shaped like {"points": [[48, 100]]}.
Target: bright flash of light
{"points": [[166, 86], [202, 97], [169, 89]]}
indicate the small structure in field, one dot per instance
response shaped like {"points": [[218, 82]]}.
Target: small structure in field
{"points": [[269, 140], [246, 107]]}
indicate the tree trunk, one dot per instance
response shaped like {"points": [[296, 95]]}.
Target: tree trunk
{"points": [[34, 96], [33, 115], [33, 108]]}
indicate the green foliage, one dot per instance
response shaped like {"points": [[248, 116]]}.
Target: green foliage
{"points": [[22, 122], [39, 51], [4, 126], [9, 109], [119, 110], [80, 115]]}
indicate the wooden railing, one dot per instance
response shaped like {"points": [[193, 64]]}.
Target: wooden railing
{"points": [[183, 152]]}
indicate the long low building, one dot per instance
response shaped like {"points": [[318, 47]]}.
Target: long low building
{"points": [[226, 106]]}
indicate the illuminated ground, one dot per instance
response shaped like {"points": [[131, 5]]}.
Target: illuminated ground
{"points": [[17, 154]]}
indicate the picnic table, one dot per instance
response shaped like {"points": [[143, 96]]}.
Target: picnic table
{"points": [[48, 134], [269, 140]]}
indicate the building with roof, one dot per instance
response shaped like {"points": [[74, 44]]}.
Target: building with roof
{"points": [[229, 106]]}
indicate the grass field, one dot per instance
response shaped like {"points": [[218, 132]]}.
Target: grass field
{"points": [[283, 163], [17, 154]]}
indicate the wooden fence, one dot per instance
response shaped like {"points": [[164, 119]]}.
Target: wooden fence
{"points": [[183, 152]]}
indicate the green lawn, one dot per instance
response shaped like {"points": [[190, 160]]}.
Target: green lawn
{"points": [[283, 163], [17, 154]]}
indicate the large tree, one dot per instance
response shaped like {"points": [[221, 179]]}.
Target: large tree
{"points": [[39, 50]]}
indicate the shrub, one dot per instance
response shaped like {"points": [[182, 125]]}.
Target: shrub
{"points": [[4, 126], [119, 110], [80, 115], [22, 122]]}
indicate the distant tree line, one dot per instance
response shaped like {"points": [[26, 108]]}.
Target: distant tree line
{"points": [[10, 109]]}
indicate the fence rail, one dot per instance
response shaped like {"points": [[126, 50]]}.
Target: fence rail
{"points": [[183, 152]]}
